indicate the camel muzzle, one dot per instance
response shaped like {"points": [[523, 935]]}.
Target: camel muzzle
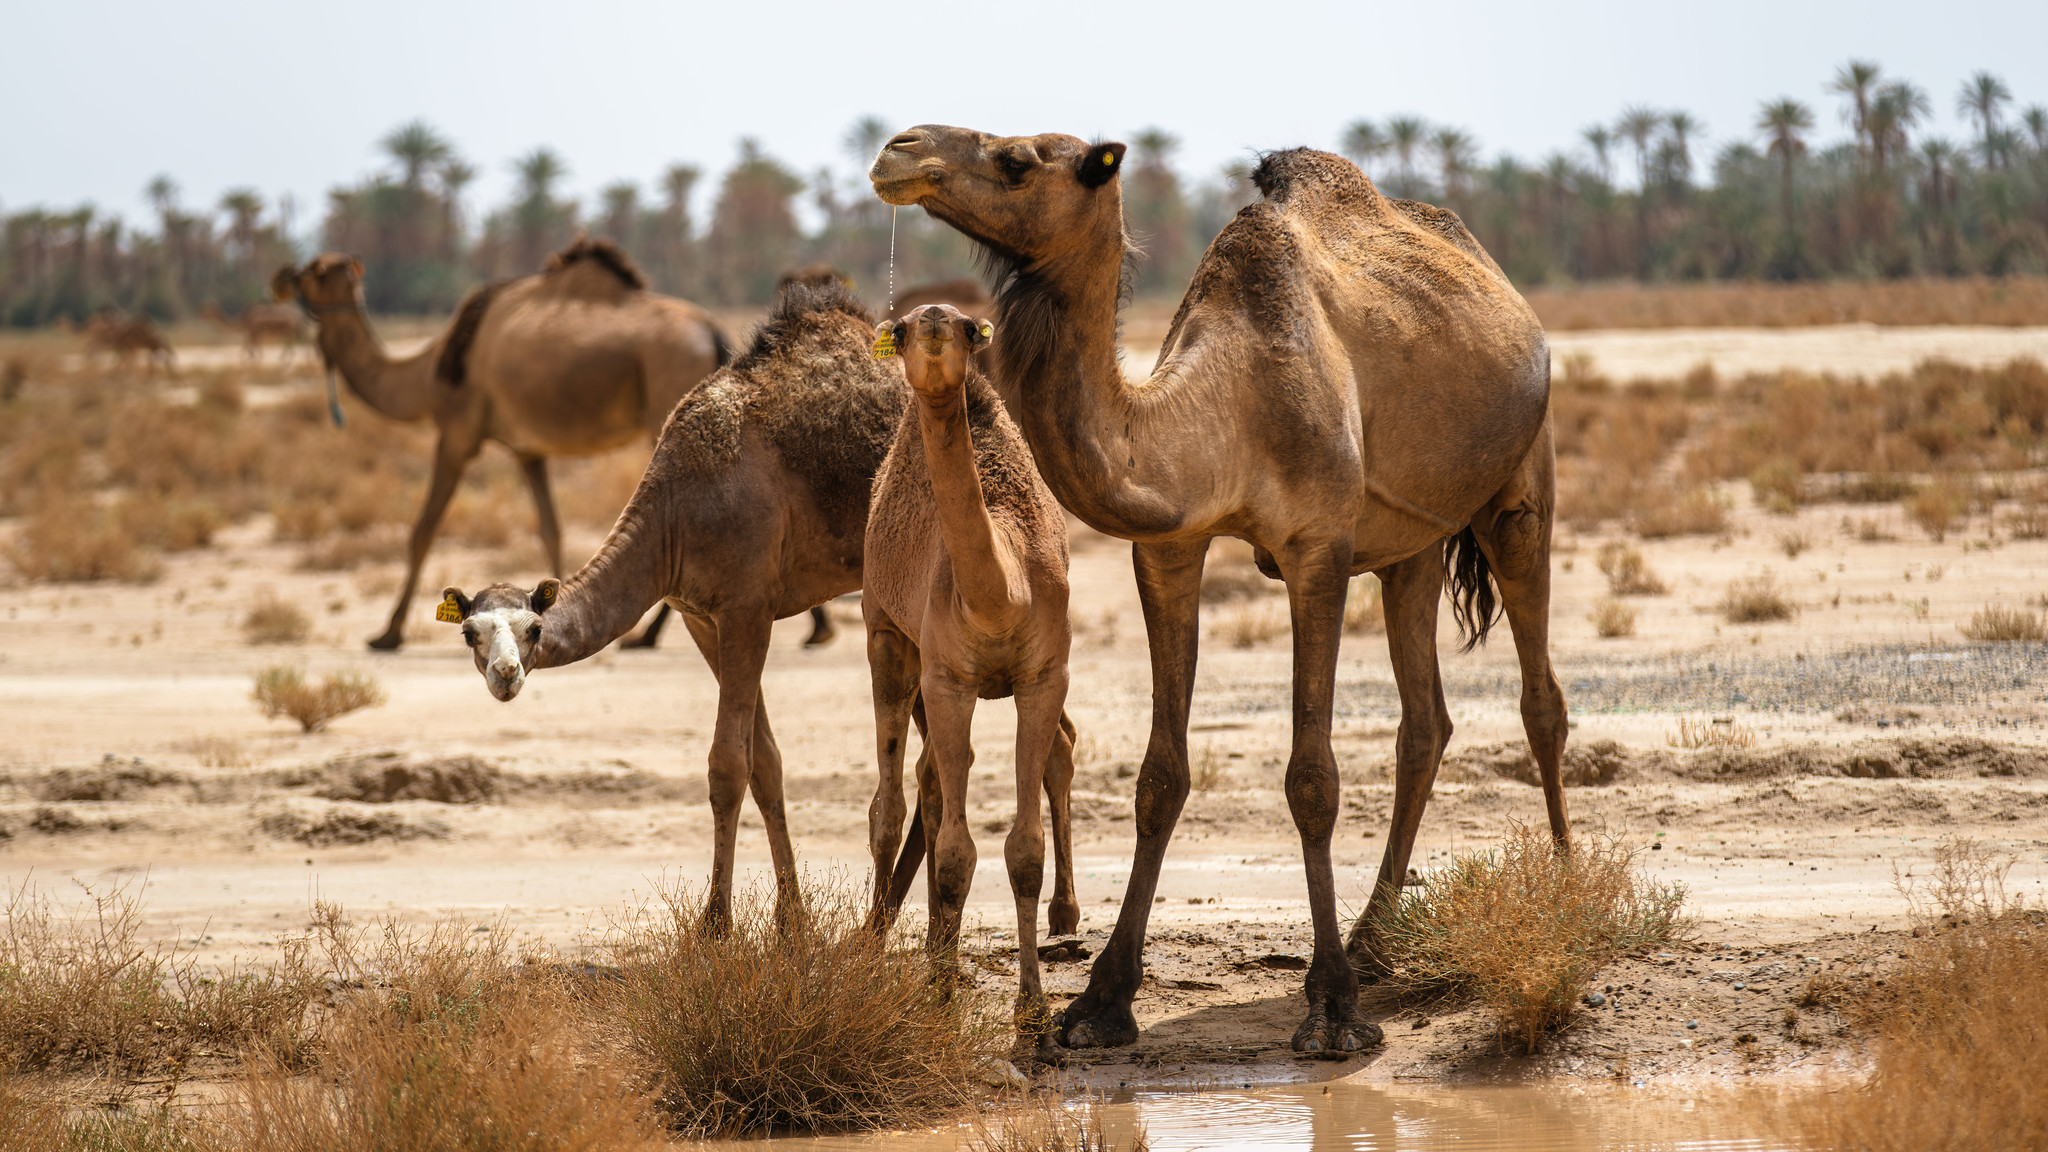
{"points": [[503, 683]]}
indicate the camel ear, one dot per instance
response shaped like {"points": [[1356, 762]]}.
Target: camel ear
{"points": [[888, 340], [355, 268], [1099, 163], [544, 595], [454, 607], [285, 283], [979, 334]]}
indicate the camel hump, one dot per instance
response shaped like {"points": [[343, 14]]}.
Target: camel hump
{"points": [[1304, 174], [1445, 223], [604, 254], [795, 312], [453, 365]]}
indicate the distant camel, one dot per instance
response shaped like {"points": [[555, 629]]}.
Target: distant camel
{"points": [[575, 360], [261, 324], [122, 337], [753, 508], [815, 275], [964, 293], [1351, 385], [966, 599]]}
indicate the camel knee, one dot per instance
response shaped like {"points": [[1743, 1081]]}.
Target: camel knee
{"points": [[1312, 793], [1024, 853]]}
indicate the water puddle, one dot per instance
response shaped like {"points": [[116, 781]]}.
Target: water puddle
{"points": [[1341, 1117]]}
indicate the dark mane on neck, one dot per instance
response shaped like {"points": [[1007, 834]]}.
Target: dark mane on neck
{"points": [[1032, 328], [605, 254]]}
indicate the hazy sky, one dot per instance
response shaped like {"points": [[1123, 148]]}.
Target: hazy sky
{"points": [[100, 95]]}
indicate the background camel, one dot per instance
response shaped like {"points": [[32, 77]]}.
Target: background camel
{"points": [[576, 360], [123, 337], [754, 507], [966, 598], [1349, 381], [260, 324]]}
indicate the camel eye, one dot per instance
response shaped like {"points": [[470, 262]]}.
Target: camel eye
{"points": [[1013, 167], [533, 634], [470, 637]]}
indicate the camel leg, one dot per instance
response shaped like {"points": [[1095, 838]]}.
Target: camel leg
{"points": [[650, 634], [926, 814], [893, 669], [1169, 589], [1063, 915], [740, 641], [451, 458], [764, 780], [1411, 591], [1318, 575], [822, 630], [1040, 717], [949, 709], [536, 470]]}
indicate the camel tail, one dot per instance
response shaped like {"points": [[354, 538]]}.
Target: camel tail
{"points": [[453, 365], [1474, 602]]}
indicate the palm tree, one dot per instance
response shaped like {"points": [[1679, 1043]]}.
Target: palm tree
{"points": [[865, 139], [1896, 108], [1153, 145], [1981, 97], [243, 207], [1454, 150], [534, 214], [1855, 80], [1363, 142], [416, 147], [621, 200], [1940, 156], [1784, 123], [454, 175], [1637, 125], [538, 170], [2035, 120], [1404, 135], [1600, 140], [1683, 126]]}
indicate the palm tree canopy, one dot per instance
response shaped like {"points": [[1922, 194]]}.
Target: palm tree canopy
{"points": [[1785, 122], [865, 138], [417, 147], [1855, 80], [1154, 145], [1982, 95], [1362, 141], [538, 170]]}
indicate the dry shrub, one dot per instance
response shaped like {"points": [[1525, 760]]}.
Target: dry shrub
{"points": [[1727, 733], [1989, 300], [1871, 530], [1051, 1125], [1613, 619], [1936, 509], [448, 1041], [806, 1021], [1776, 486], [1665, 512], [1364, 609], [1755, 599], [1875, 488], [1793, 543], [349, 551], [2029, 521], [1525, 927], [174, 524], [81, 991], [479, 520], [1628, 574], [301, 521], [1995, 623], [1229, 573], [1958, 1023], [273, 621], [35, 1124], [281, 691], [1250, 625], [77, 541]]}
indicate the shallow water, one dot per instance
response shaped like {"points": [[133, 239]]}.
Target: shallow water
{"points": [[1411, 1118]]}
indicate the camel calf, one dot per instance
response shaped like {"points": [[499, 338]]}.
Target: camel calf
{"points": [[966, 598]]}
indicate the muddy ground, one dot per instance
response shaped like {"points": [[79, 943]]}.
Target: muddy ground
{"points": [[134, 756]]}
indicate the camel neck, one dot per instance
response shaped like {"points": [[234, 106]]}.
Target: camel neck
{"points": [[399, 388], [607, 596], [980, 574]]}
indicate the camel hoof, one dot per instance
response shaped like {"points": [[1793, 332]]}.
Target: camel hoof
{"points": [[389, 642], [1099, 1032]]}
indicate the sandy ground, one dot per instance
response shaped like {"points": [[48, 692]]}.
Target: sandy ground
{"points": [[134, 757]]}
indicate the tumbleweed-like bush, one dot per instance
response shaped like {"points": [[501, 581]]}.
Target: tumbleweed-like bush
{"points": [[282, 691]]}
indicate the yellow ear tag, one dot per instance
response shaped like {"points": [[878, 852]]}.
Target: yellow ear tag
{"points": [[885, 346], [1108, 158], [987, 331], [449, 611]]}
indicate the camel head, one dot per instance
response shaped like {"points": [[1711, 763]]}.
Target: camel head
{"points": [[1026, 198], [934, 342], [328, 282], [501, 625]]}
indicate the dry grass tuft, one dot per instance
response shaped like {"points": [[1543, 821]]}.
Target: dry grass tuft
{"points": [[812, 1022], [1051, 1125], [1364, 609], [1229, 574], [1793, 543], [1613, 619], [2029, 521], [69, 541], [1628, 574], [1694, 512], [1998, 624], [1723, 733], [273, 621], [1937, 509], [281, 691], [1525, 927], [1251, 624], [1755, 600], [1957, 1024], [1990, 300]]}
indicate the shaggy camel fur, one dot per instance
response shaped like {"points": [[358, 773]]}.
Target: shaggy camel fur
{"points": [[754, 507], [576, 360], [967, 598], [1350, 381]]}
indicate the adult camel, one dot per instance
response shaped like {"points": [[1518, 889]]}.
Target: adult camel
{"points": [[1349, 382], [575, 360]]}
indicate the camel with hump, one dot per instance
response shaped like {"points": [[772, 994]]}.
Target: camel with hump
{"points": [[578, 359], [1350, 382], [966, 599]]}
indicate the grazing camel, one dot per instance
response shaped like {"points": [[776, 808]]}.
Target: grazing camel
{"points": [[1349, 382], [967, 598], [261, 324], [964, 293], [122, 337], [754, 507], [575, 360]]}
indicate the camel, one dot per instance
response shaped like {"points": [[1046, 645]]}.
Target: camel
{"points": [[754, 507], [260, 324], [575, 360], [1350, 381], [967, 598], [122, 337], [964, 293]]}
